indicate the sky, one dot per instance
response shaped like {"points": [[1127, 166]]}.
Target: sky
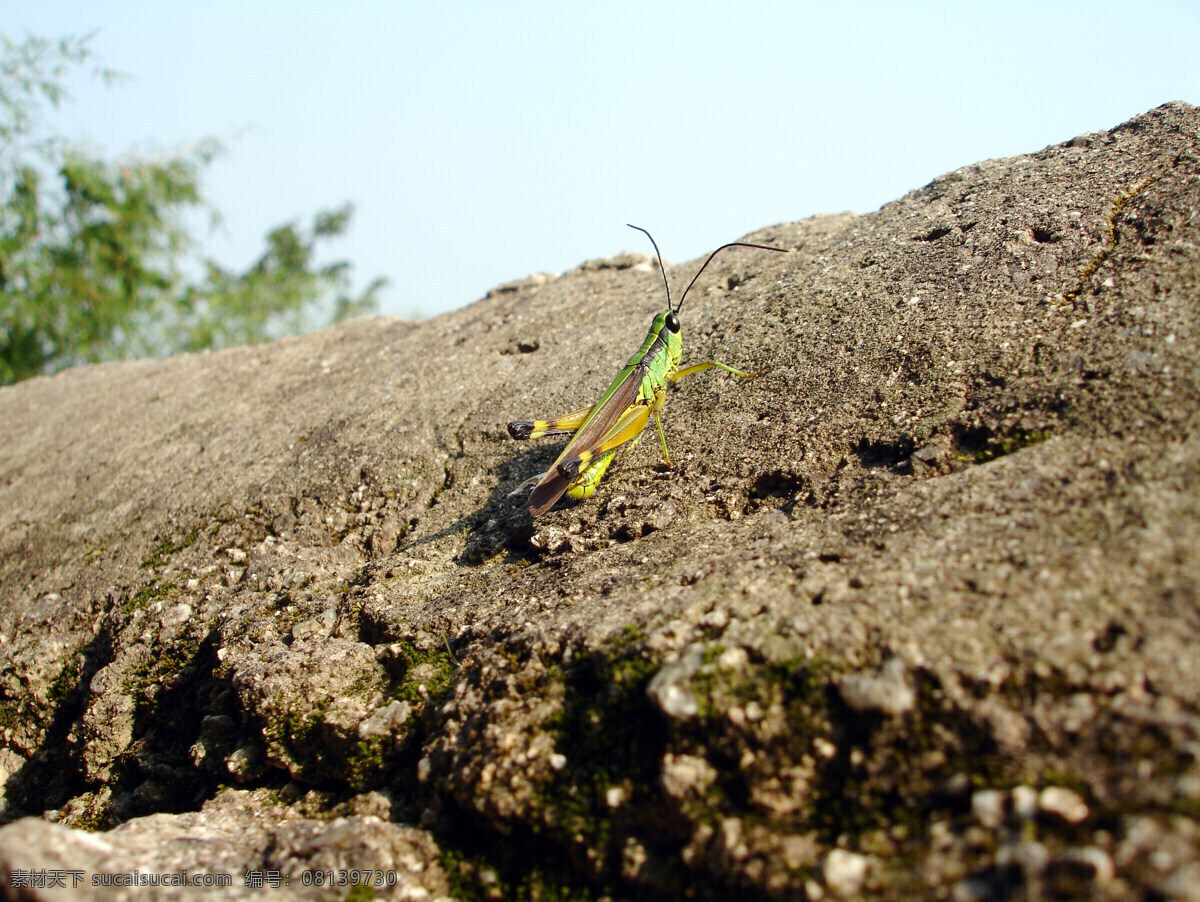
{"points": [[481, 142]]}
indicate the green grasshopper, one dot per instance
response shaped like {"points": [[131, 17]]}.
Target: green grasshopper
{"points": [[617, 420]]}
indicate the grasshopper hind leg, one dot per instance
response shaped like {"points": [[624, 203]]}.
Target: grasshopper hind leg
{"points": [[527, 429], [584, 484], [530, 429]]}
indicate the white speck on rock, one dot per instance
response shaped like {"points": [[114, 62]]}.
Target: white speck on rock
{"points": [[844, 872], [386, 721], [678, 702], [686, 775], [734, 658], [731, 839], [824, 747], [1095, 860], [886, 691], [667, 688], [987, 805], [1058, 801], [1025, 801], [177, 615]]}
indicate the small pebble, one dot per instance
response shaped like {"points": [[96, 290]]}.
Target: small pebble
{"points": [[1095, 860], [886, 691], [844, 872], [987, 805], [1025, 802], [734, 658], [824, 747], [668, 687], [1058, 801], [677, 702]]}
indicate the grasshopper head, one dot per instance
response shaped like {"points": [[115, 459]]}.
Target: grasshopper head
{"points": [[665, 328], [666, 324]]}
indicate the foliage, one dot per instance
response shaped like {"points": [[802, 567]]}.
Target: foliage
{"points": [[94, 254]]}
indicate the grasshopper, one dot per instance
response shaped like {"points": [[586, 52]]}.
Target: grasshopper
{"points": [[617, 420]]}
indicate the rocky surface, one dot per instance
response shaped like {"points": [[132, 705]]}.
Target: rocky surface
{"points": [[915, 614]]}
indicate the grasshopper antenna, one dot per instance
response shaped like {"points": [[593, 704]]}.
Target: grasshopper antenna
{"points": [[662, 269], [761, 247]]}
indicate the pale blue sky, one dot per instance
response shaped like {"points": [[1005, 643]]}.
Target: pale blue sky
{"points": [[480, 142]]}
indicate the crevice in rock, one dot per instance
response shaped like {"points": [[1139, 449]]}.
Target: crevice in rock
{"points": [[53, 774], [1112, 236], [884, 453]]}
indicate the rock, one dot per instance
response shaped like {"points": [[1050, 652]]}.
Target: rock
{"points": [[734, 658], [1025, 802], [730, 846], [385, 722], [1065, 804], [108, 729], [237, 835], [686, 776], [844, 872], [987, 805], [973, 448], [247, 762], [886, 691], [669, 690], [1092, 864], [1183, 885], [1028, 856]]}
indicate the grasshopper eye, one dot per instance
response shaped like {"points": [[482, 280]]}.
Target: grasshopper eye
{"points": [[672, 322]]}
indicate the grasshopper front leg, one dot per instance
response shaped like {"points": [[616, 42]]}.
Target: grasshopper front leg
{"points": [[700, 367], [687, 371]]}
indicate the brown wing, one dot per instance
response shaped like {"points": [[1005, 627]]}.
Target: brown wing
{"points": [[617, 399]]}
